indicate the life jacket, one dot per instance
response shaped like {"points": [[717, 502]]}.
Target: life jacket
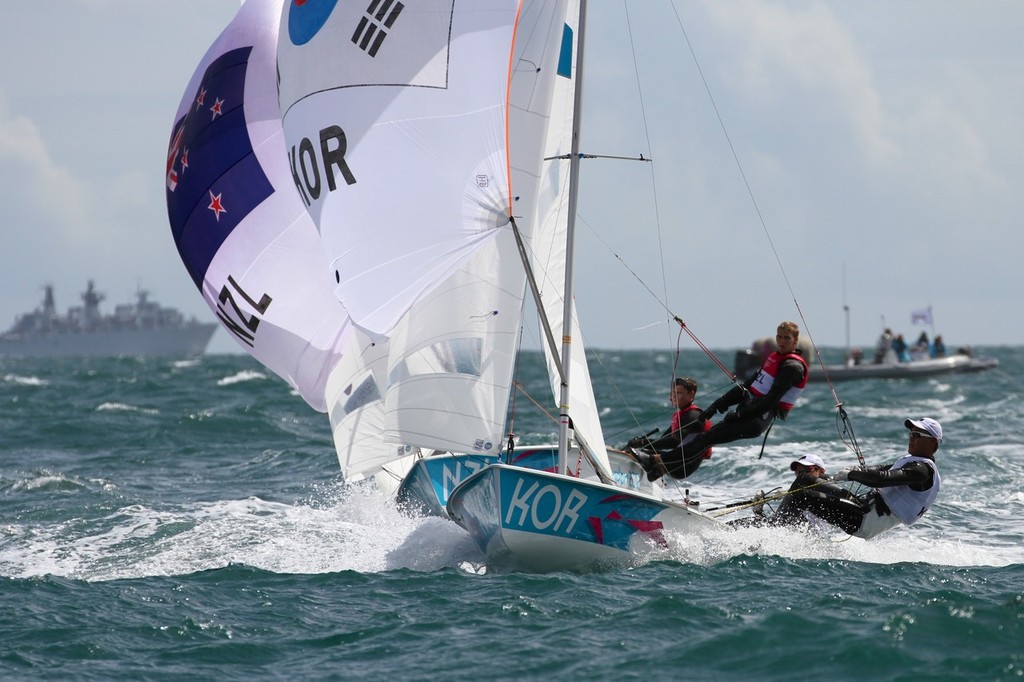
{"points": [[907, 504], [766, 378], [678, 417]]}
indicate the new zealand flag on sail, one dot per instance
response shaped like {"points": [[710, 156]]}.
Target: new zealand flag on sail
{"points": [[214, 179]]}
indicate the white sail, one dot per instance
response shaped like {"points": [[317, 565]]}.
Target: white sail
{"points": [[395, 123], [434, 140], [549, 248], [355, 392], [452, 356], [241, 230]]}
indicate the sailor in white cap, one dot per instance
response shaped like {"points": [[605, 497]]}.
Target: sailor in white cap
{"points": [[809, 462], [904, 490], [814, 493]]}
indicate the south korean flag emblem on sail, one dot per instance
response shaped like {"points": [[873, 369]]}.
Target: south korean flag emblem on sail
{"points": [[325, 44]]}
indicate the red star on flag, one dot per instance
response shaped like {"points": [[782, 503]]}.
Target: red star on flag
{"points": [[184, 160], [217, 108], [200, 98], [216, 206]]}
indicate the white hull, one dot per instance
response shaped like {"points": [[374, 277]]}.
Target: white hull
{"points": [[904, 370]]}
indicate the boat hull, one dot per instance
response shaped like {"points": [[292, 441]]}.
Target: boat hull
{"points": [[905, 370], [425, 489], [187, 340], [538, 521], [426, 486]]}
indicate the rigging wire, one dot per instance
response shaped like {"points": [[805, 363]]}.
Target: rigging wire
{"points": [[657, 217], [671, 316], [845, 427], [764, 226], [657, 210], [511, 436], [760, 499], [647, 138]]}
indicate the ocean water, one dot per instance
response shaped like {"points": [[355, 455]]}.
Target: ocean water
{"points": [[166, 519]]}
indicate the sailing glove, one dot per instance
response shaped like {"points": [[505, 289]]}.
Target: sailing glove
{"points": [[844, 474]]}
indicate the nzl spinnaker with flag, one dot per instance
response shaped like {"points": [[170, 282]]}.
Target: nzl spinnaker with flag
{"points": [[241, 230]]}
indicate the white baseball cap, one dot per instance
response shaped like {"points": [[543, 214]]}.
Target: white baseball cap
{"points": [[926, 424], [808, 461]]}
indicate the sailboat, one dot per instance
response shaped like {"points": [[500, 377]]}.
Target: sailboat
{"points": [[418, 138], [566, 519], [371, 242]]}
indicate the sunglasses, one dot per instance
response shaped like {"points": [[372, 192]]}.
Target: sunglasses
{"points": [[918, 434]]}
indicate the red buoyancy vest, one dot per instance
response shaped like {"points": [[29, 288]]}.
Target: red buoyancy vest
{"points": [[677, 417], [766, 378]]}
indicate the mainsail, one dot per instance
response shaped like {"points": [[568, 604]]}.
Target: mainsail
{"points": [[549, 247], [240, 228]]}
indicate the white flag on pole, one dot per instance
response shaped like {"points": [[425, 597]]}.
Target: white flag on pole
{"points": [[921, 316]]}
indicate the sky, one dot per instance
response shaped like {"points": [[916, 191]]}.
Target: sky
{"points": [[864, 154]]}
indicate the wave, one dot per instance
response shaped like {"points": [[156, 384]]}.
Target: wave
{"points": [[122, 407], [353, 528], [241, 377], [25, 381]]}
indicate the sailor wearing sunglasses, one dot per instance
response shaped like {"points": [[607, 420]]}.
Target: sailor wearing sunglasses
{"points": [[904, 490]]}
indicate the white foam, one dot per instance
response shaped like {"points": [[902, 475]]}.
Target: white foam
{"points": [[240, 377], [356, 529], [122, 407], [25, 381], [353, 528]]}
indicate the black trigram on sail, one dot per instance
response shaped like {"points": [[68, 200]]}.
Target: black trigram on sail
{"points": [[370, 33]]}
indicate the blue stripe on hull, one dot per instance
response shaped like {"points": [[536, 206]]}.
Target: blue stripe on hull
{"points": [[426, 488]]}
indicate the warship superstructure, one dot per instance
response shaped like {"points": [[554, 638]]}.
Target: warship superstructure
{"points": [[134, 329]]}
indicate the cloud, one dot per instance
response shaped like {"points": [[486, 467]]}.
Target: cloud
{"points": [[950, 156], [805, 52], [47, 195]]}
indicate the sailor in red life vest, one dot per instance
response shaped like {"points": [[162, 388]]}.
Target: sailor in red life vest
{"points": [[681, 395], [770, 394]]}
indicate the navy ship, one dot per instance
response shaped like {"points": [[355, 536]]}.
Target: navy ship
{"points": [[134, 329]]}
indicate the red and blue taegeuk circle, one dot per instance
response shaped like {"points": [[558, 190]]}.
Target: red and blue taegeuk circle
{"points": [[307, 17]]}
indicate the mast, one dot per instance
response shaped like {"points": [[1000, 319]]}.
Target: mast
{"points": [[574, 181], [846, 313]]}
